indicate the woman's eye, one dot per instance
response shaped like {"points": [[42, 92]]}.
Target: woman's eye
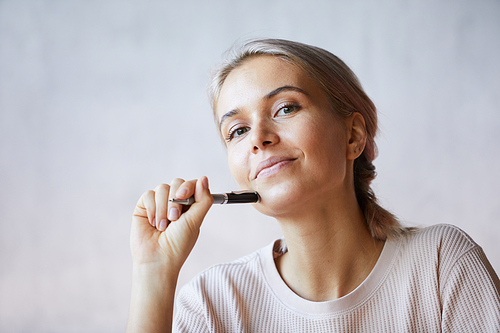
{"points": [[236, 133], [287, 109]]}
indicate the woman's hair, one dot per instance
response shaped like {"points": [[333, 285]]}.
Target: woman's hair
{"points": [[345, 95]]}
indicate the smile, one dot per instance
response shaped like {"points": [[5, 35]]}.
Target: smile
{"points": [[271, 166]]}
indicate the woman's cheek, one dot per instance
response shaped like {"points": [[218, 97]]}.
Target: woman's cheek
{"points": [[239, 167]]}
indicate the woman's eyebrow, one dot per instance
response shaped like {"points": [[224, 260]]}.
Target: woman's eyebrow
{"points": [[268, 96], [228, 115], [285, 88]]}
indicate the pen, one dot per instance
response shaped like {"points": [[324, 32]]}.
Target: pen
{"points": [[234, 197]]}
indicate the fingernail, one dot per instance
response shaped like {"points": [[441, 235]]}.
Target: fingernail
{"points": [[154, 222], [163, 225], [182, 192], [205, 183], [173, 214]]}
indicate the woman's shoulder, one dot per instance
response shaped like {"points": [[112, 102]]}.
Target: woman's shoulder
{"points": [[441, 245], [441, 237]]}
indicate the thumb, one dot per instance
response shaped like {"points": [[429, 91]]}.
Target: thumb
{"points": [[203, 202]]}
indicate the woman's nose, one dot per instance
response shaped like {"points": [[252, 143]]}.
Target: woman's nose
{"points": [[263, 136]]}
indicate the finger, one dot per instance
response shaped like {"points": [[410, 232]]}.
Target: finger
{"points": [[161, 201], [150, 205], [147, 202], [203, 202], [180, 191], [185, 191]]}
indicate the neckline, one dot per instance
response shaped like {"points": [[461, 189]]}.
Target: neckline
{"points": [[354, 299]]}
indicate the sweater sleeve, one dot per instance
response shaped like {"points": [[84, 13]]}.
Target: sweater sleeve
{"points": [[470, 297]]}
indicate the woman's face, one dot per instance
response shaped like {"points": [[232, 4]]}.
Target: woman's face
{"points": [[281, 135]]}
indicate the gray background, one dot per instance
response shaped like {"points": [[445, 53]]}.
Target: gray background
{"points": [[103, 100]]}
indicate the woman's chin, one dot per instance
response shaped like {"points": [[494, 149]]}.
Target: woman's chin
{"points": [[277, 202]]}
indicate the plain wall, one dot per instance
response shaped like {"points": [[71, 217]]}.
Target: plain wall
{"points": [[103, 100]]}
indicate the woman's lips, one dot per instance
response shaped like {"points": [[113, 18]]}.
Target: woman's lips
{"points": [[272, 165]]}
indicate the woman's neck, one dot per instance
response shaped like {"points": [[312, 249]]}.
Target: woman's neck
{"points": [[330, 249]]}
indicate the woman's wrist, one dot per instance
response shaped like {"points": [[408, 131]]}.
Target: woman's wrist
{"points": [[153, 290], [154, 282], [154, 271], [152, 286]]}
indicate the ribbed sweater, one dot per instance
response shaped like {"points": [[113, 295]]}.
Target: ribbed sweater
{"points": [[435, 279]]}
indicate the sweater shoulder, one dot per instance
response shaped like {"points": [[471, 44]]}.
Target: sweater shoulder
{"points": [[443, 237], [440, 246]]}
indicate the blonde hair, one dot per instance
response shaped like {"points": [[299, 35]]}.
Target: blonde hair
{"points": [[345, 95]]}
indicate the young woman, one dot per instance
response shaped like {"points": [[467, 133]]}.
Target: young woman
{"points": [[300, 130]]}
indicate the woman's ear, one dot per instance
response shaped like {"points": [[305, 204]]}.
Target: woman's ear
{"points": [[356, 135]]}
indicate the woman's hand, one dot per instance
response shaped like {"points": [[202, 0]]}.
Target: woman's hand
{"points": [[164, 233]]}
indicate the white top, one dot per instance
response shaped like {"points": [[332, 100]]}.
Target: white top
{"points": [[434, 279]]}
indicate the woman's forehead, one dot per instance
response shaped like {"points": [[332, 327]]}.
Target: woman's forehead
{"points": [[257, 77], [264, 70]]}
